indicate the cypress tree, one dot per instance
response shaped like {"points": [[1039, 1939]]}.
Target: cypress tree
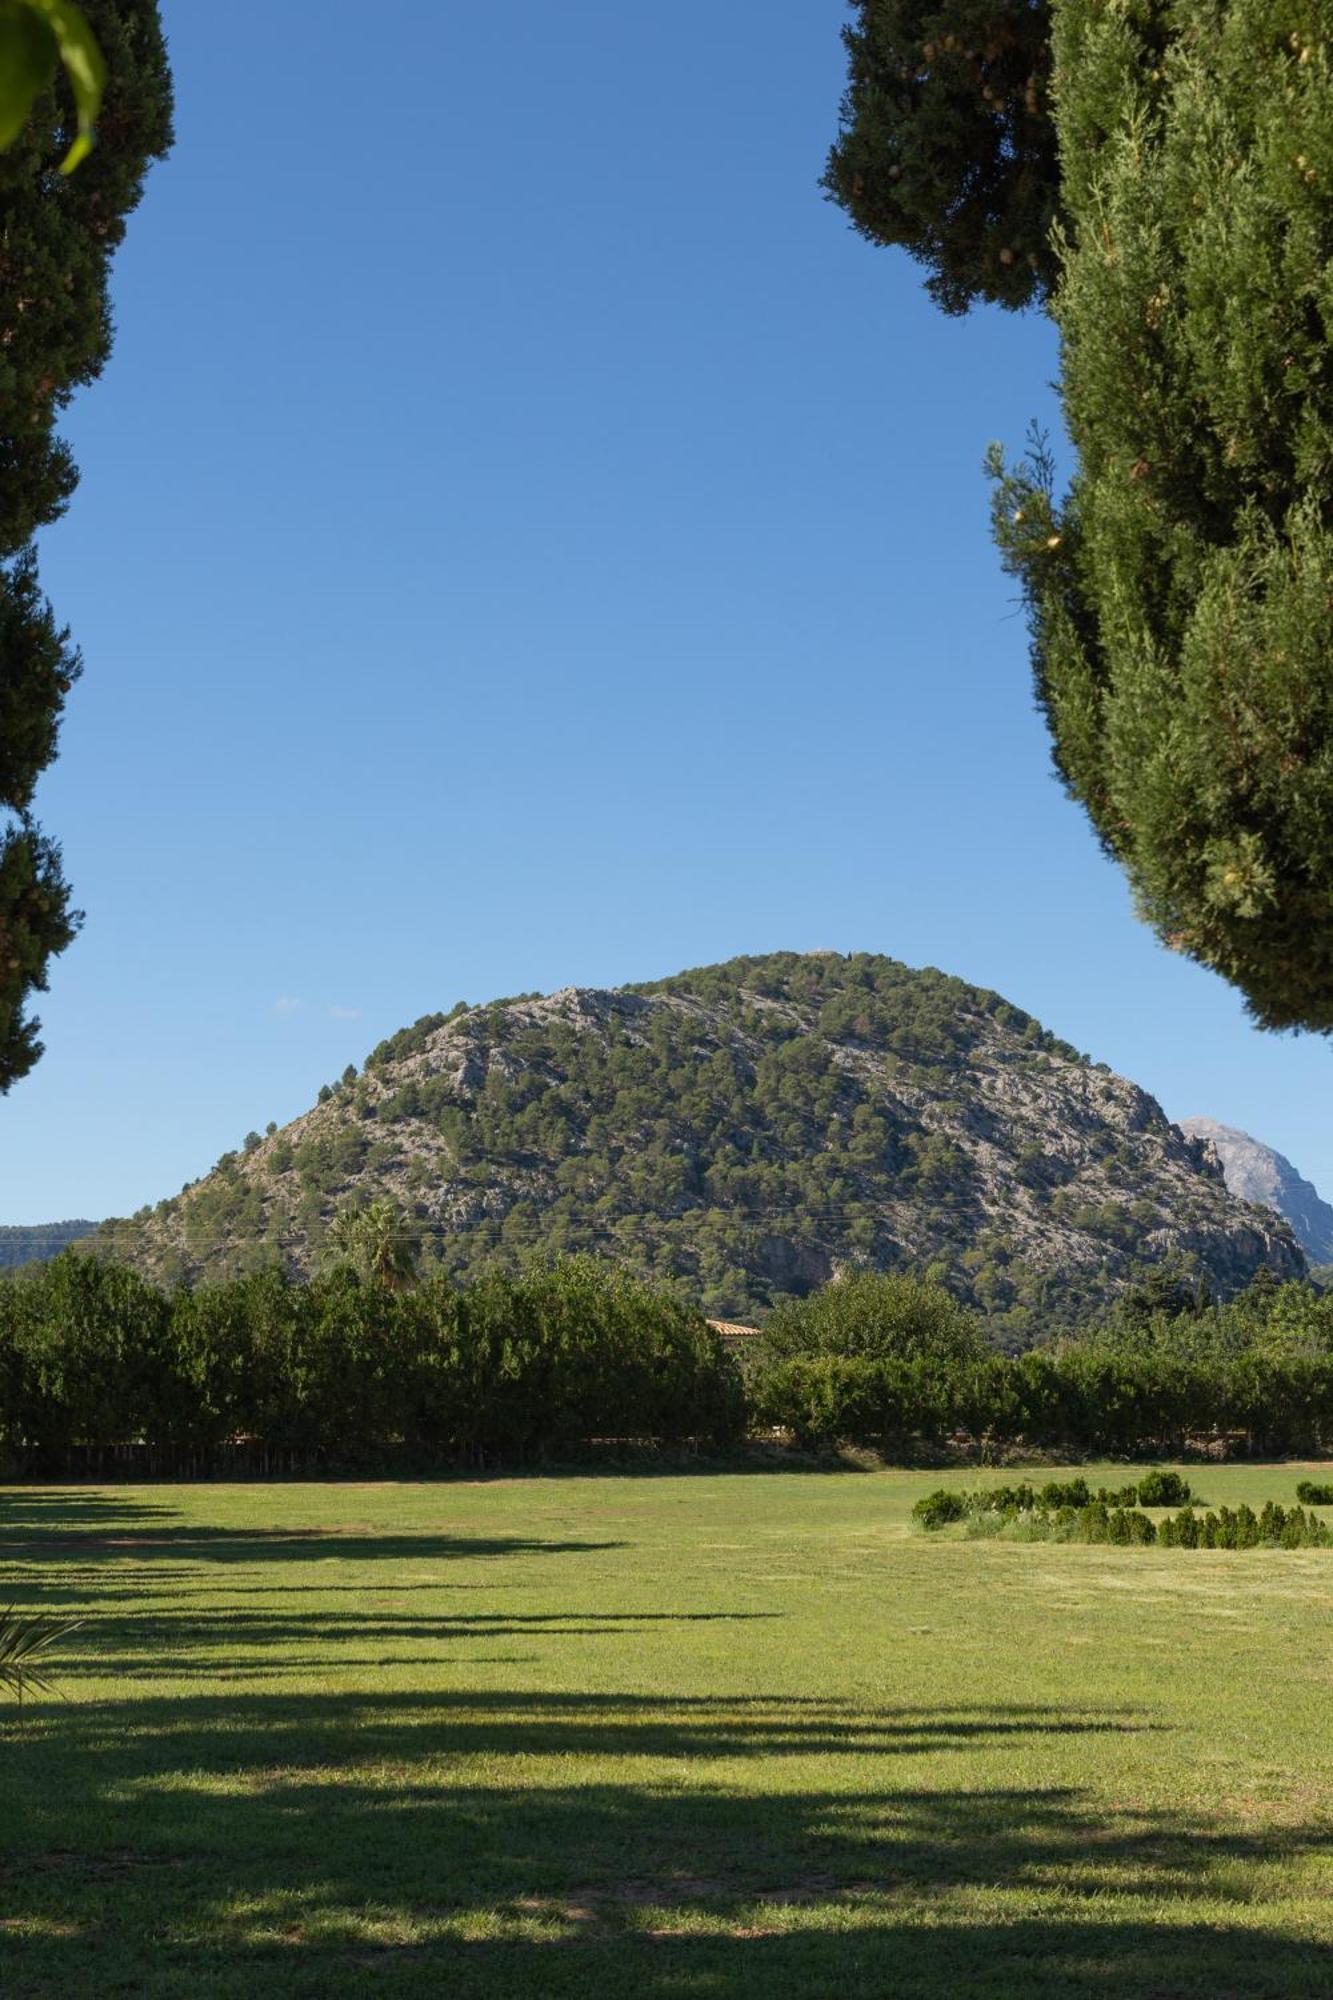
{"points": [[57, 238], [946, 145], [1170, 198], [1181, 595]]}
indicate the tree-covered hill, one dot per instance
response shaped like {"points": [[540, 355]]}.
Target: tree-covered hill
{"points": [[34, 1243], [751, 1128]]}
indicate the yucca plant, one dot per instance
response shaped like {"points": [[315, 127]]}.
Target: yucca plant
{"points": [[24, 1641]]}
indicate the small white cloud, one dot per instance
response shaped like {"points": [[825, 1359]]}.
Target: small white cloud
{"points": [[344, 1013], [286, 1003]]}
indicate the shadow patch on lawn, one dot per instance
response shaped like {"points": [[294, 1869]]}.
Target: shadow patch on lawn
{"points": [[310, 1847]]}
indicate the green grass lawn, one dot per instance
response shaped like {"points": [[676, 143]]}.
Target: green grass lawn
{"points": [[732, 1735]]}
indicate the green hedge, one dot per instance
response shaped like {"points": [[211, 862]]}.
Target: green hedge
{"points": [[1079, 1400]]}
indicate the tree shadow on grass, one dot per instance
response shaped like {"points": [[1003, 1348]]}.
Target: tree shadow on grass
{"points": [[21, 1542], [158, 1643], [484, 1845]]}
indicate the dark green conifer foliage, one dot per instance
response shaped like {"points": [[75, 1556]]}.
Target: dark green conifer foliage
{"points": [[57, 237], [946, 144], [1182, 595]]}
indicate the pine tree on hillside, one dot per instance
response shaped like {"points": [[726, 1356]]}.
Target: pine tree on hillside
{"points": [[57, 237]]}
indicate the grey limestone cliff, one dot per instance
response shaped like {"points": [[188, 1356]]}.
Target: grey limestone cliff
{"points": [[1258, 1173]]}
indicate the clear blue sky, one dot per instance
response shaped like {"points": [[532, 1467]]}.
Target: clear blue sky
{"points": [[526, 539]]}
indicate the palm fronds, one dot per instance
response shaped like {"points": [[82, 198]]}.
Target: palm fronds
{"points": [[23, 1642]]}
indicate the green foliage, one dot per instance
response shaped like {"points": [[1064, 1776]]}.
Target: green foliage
{"points": [[345, 1372], [1113, 1511], [876, 1316], [1173, 203], [24, 1641], [1164, 1489], [35, 36], [1181, 617], [60, 233], [1314, 1494], [1103, 1394], [35, 1242], [946, 145], [938, 1509], [377, 1243], [1036, 1517]]}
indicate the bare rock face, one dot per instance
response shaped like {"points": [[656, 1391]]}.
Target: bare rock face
{"points": [[1256, 1173], [751, 1129]]}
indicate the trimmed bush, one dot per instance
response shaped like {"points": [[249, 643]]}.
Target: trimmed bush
{"points": [[939, 1508], [1163, 1489]]}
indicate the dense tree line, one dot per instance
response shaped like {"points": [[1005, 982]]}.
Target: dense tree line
{"points": [[344, 1372], [348, 1372], [1169, 1373]]}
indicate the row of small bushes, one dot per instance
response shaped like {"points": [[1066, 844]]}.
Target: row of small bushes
{"points": [[1020, 1512], [342, 1372], [1154, 1489]]}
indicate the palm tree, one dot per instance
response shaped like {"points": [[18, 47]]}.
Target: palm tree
{"points": [[378, 1243]]}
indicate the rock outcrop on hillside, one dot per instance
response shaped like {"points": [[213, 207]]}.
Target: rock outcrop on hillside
{"points": [[750, 1128], [1257, 1173]]}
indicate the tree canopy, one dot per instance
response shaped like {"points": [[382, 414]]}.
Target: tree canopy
{"points": [[946, 146], [1179, 598], [59, 233]]}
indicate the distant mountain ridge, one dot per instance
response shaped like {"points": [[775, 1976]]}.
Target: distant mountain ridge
{"points": [[36, 1242], [1258, 1173], [750, 1128]]}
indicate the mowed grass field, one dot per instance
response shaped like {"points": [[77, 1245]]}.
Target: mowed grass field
{"points": [[733, 1735]]}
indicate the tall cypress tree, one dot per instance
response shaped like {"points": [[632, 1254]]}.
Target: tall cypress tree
{"points": [[1181, 594], [57, 238]]}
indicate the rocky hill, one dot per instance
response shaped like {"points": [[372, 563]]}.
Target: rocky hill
{"points": [[1256, 1173], [751, 1127], [33, 1243]]}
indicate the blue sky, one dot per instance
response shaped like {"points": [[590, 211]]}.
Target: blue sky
{"points": [[526, 539]]}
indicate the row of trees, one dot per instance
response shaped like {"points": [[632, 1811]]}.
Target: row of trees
{"points": [[895, 1364], [348, 1372], [363, 1368]]}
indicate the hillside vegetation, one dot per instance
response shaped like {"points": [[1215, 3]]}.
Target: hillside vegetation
{"points": [[751, 1129], [33, 1243]]}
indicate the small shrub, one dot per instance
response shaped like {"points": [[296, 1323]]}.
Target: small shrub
{"points": [[1130, 1528], [1164, 1489], [1314, 1495], [1069, 1493], [939, 1508]]}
